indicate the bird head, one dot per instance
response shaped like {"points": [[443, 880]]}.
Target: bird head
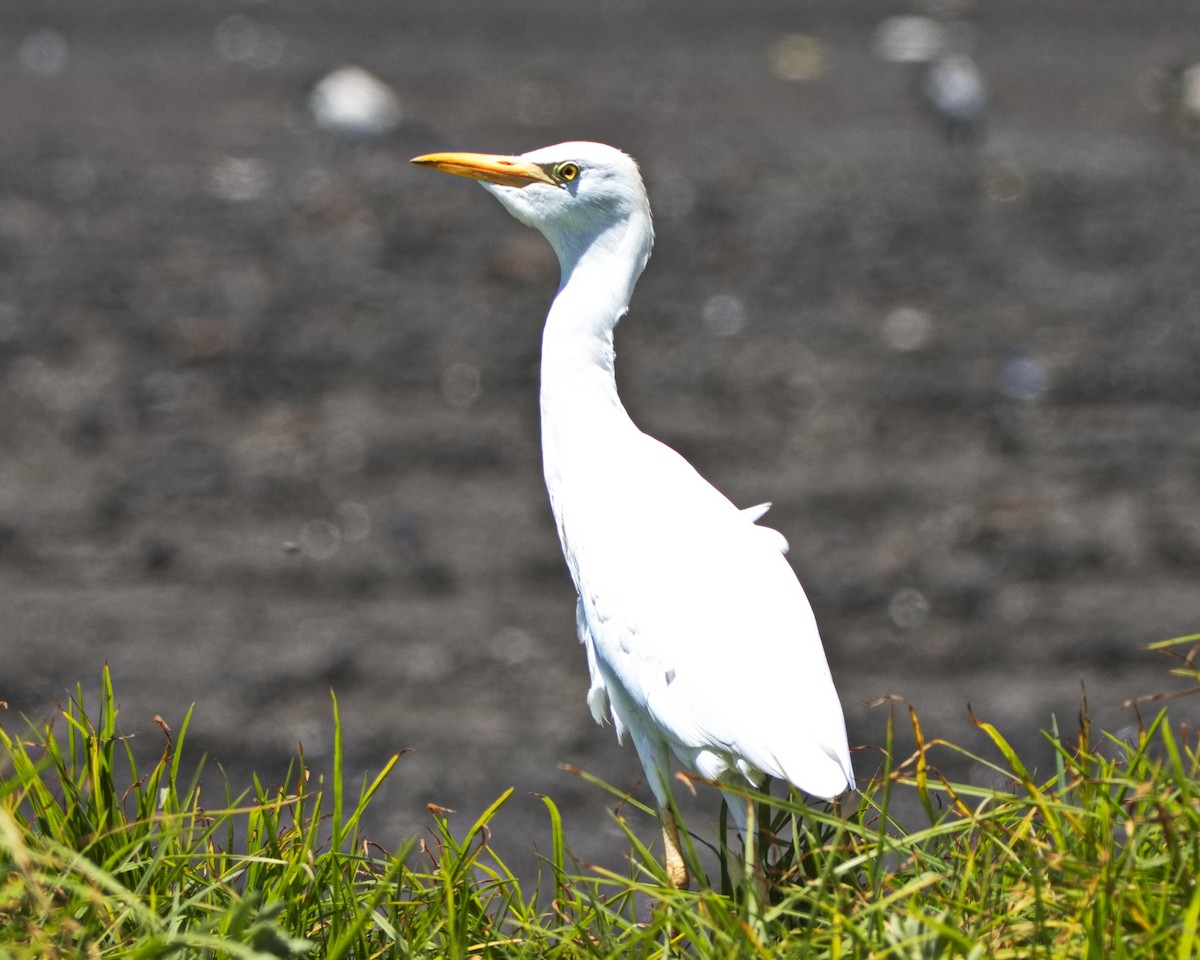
{"points": [[573, 193]]}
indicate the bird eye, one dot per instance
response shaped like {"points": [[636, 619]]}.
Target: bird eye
{"points": [[566, 172]]}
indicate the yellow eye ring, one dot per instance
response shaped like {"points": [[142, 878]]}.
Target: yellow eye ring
{"points": [[566, 172]]}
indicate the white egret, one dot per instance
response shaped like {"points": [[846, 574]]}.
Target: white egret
{"points": [[700, 641]]}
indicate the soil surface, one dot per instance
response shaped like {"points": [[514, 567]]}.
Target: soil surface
{"points": [[270, 398]]}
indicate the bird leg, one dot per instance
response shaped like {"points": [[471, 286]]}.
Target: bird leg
{"points": [[757, 894], [750, 839], [677, 871], [745, 816]]}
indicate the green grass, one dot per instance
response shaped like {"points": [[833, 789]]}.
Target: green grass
{"points": [[1098, 860]]}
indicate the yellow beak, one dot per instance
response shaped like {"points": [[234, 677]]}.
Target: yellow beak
{"points": [[508, 171]]}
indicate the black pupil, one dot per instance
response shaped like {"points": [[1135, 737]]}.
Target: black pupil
{"points": [[569, 171]]}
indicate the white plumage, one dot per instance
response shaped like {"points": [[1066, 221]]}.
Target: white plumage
{"points": [[700, 641]]}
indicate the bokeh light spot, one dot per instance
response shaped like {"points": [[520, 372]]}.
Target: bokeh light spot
{"points": [[514, 645], [1022, 377], [907, 329], [240, 39], [344, 451], [319, 539], [724, 315], [796, 57], [461, 384], [1004, 181], [239, 179], [674, 194], [354, 521], [908, 608], [43, 54]]}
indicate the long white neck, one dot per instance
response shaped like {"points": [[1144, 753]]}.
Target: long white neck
{"points": [[582, 415]]}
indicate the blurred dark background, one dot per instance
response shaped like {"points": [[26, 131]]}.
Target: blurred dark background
{"points": [[270, 394]]}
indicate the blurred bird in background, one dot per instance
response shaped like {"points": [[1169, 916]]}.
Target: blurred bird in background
{"points": [[1179, 96], [952, 88], [949, 84]]}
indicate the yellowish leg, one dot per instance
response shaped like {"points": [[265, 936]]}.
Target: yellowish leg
{"points": [[756, 876], [672, 855], [750, 840]]}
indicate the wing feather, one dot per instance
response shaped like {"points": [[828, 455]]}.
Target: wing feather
{"points": [[700, 619]]}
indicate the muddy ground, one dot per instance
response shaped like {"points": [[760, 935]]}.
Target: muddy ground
{"points": [[270, 415]]}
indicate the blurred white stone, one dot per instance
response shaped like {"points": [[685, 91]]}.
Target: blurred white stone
{"points": [[724, 315], [44, 53], [909, 39], [352, 103], [907, 329]]}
